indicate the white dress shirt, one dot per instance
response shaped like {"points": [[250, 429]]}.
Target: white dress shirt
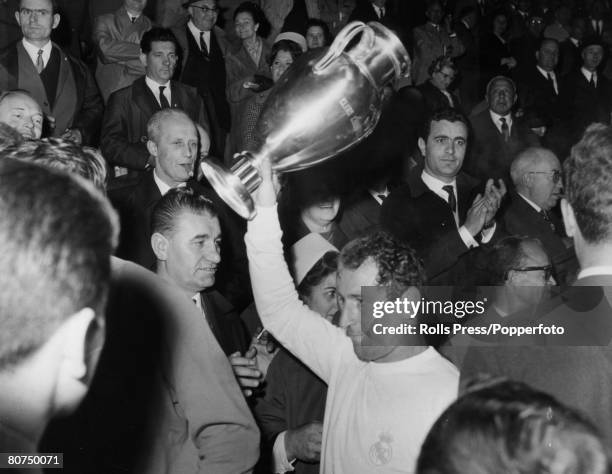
{"points": [[196, 34], [588, 74], [376, 194], [162, 186], [531, 203], [33, 51], [497, 122], [552, 75], [154, 86]]}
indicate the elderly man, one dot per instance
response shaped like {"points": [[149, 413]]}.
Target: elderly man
{"points": [[578, 376], [498, 134], [203, 46], [58, 236], [381, 400], [19, 110], [439, 211], [124, 131], [538, 186], [117, 37], [60, 83]]}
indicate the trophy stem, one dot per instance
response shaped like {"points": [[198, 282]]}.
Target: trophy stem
{"points": [[245, 170]]}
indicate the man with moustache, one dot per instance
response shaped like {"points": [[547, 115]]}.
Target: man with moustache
{"points": [[19, 110]]}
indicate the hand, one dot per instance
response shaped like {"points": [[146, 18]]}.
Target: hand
{"points": [[265, 194], [304, 443], [246, 371], [476, 216], [73, 135], [509, 61], [266, 347], [250, 85], [493, 197]]}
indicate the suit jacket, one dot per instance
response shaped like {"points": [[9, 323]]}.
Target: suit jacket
{"points": [[136, 211], [361, 216], [430, 43], [580, 377], [124, 129], [435, 99], [520, 218], [584, 103], [418, 216], [77, 101], [569, 57], [489, 155], [537, 95], [118, 43]]}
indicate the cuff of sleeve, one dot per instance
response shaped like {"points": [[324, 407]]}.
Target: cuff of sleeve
{"points": [[265, 226], [487, 234], [281, 463], [467, 238]]}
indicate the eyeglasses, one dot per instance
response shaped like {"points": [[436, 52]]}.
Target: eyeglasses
{"points": [[547, 269], [206, 9], [27, 12], [556, 174]]}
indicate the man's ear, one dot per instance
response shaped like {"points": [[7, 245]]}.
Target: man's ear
{"points": [[569, 218], [17, 18], [411, 294], [159, 243], [422, 145], [143, 59], [152, 148], [56, 20]]}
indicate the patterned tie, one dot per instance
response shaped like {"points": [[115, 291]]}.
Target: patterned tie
{"points": [[203, 46], [40, 64], [452, 200], [505, 129], [162, 98]]}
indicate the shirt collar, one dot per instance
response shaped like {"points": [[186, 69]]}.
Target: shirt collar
{"points": [[163, 187], [546, 73], [436, 184], [376, 194], [587, 74], [33, 50], [495, 117], [154, 86], [530, 202], [574, 41], [595, 271], [195, 31]]}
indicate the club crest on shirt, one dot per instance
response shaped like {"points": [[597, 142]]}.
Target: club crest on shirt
{"points": [[381, 452]]}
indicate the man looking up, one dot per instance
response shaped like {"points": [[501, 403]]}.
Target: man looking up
{"points": [[381, 400], [19, 110]]}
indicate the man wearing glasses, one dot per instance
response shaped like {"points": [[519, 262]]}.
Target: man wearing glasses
{"points": [[536, 174], [203, 48], [61, 84]]}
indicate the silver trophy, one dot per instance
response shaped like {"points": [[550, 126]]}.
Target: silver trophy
{"points": [[322, 106]]}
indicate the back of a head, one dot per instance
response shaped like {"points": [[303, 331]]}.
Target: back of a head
{"points": [[588, 183], [508, 427], [57, 234], [399, 267]]}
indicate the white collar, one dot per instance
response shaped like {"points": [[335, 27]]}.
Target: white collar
{"points": [[588, 74], [376, 194], [496, 119], [595, 271], [154, 86], [436, 184], [161, 185], [546, 73], [530, 202], [574, 41], [197, 299], [33, 50], [195, 31]]}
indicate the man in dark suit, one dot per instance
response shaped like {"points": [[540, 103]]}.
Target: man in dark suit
{"points": [[586, 92], [569, 54], [467, 29], [578, 376], [438, 211], [498, 134], [60, 83], [202, 55], [124, 130], [536, 174]]}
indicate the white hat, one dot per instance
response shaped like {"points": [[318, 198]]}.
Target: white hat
{"points": [[306, 252], [295, 37]]}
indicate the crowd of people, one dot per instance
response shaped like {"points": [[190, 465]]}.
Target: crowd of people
{"points": [[146, 328]]}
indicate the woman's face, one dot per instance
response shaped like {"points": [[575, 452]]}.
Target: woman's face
{"points": [[322, 298], [324, 212], [281, 63], [245, 26]]}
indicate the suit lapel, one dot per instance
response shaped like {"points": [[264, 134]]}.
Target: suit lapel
{"points": [[63, 74], [144, 98]]}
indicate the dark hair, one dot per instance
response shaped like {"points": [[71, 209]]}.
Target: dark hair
{"points": [[9, 137], [588, 183], [495, 261], [57, 233], [288, 46], [398, 265], [158, 34], [54, 6], [175, 202], [325, 266], [448, 114], [321, 24], [441, 62], [61, 154], [258, 15], [545, 40], [510, 427]]}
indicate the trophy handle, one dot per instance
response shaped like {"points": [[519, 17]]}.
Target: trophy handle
{"points": [[343, 39]]}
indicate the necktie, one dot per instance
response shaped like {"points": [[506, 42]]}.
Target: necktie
{"points": [[552, 82], [593, 80], [133, 19], [546, 217], [505, 129], [452, 200], [203, 44], [40, 64], [162, 98]]}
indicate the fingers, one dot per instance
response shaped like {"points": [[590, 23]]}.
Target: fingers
{"points": [[251, 353]]}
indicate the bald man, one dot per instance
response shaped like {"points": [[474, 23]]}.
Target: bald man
{"points": [[19, 110], [537, 177]]}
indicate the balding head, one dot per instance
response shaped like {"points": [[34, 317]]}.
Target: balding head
{"points": [[19, 110], [536, 174]]}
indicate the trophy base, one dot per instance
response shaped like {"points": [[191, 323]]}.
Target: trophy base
{"points": [[234, 186]]}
